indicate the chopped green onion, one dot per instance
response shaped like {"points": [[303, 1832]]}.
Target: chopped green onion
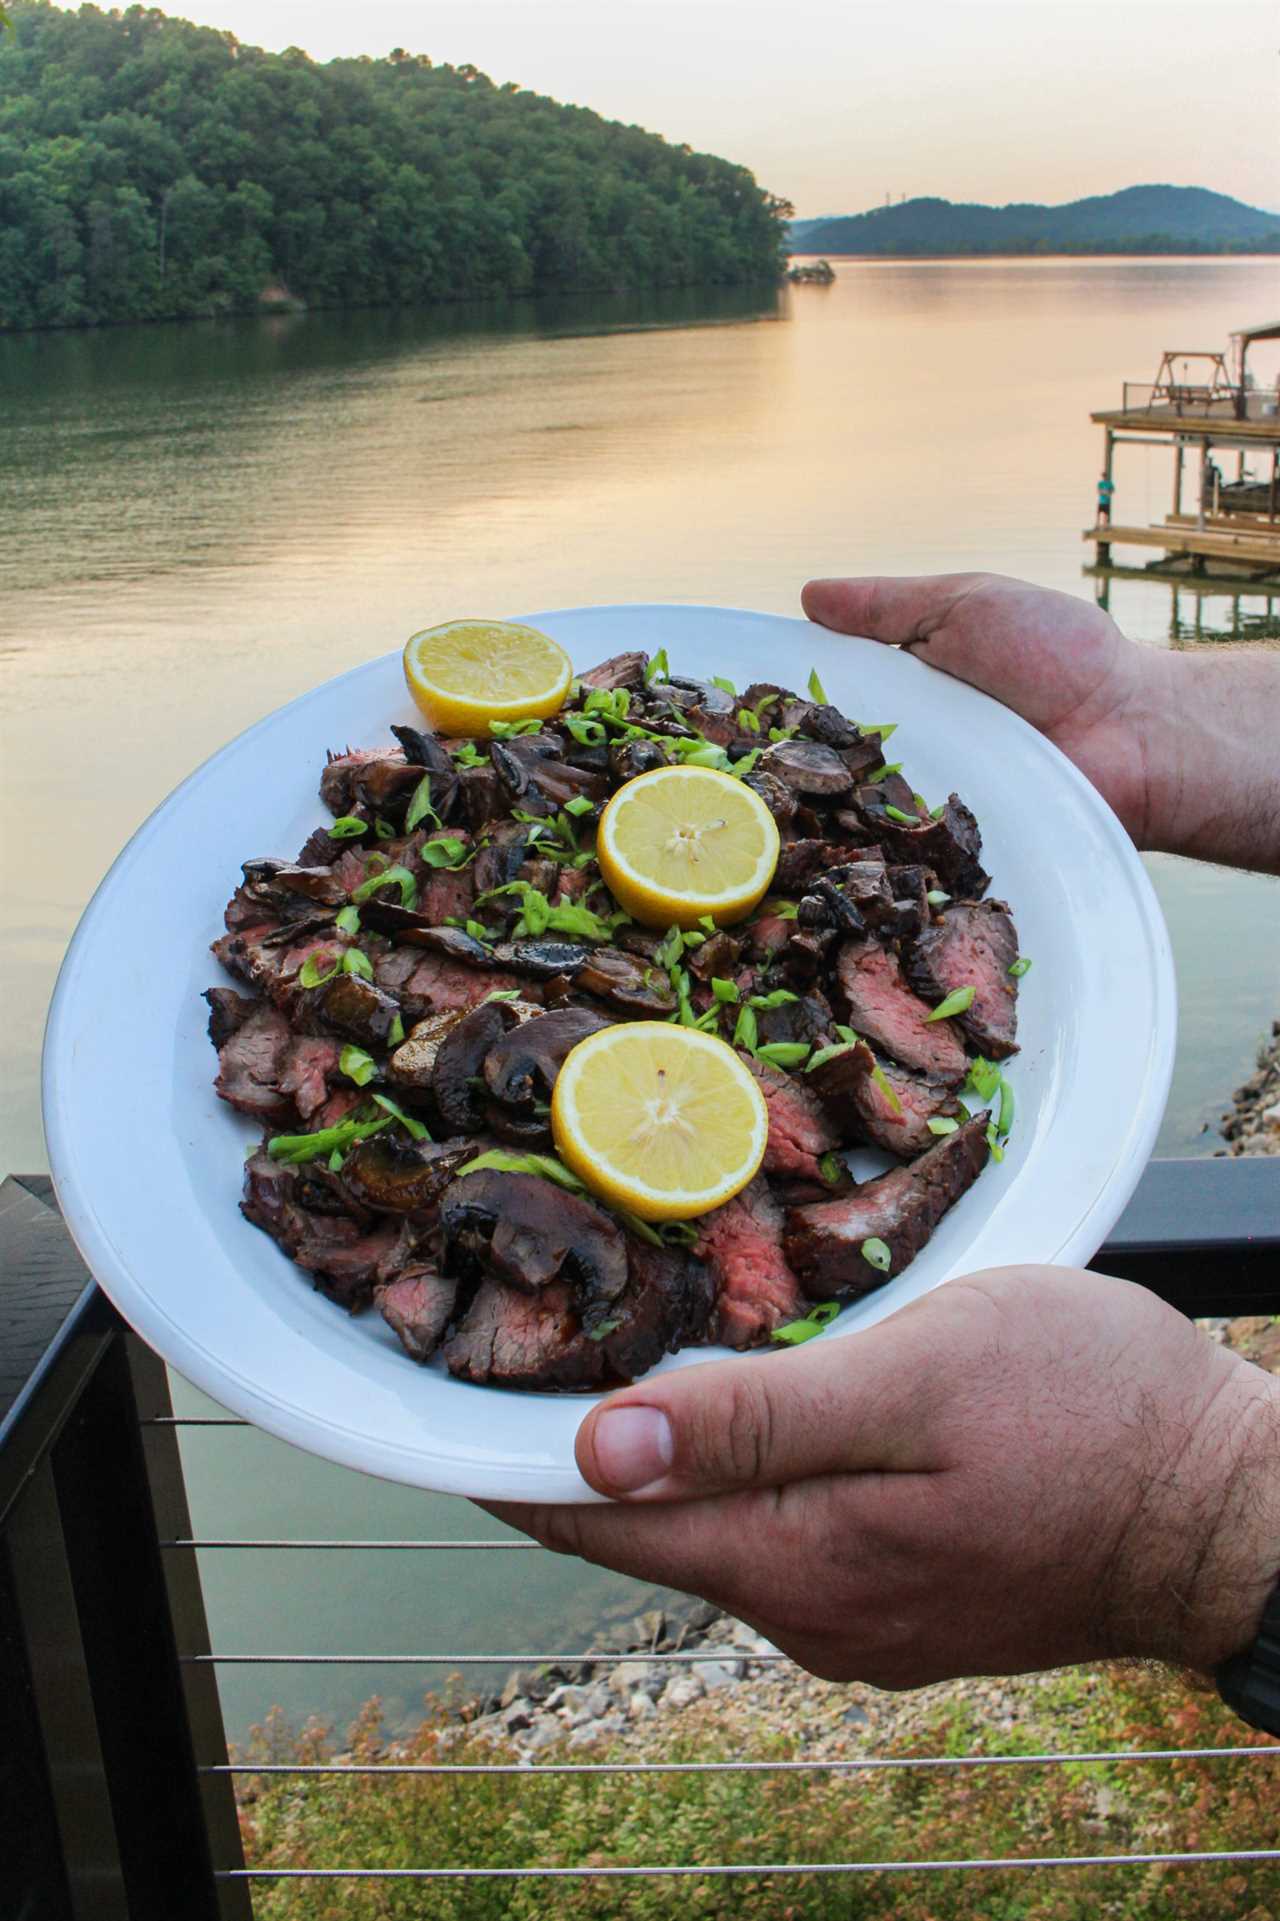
{"points": [[940, 1124], [710, 1020], [780, 997], [816, 690], [670, 949], [845, 1033], [957, 1003], [831, 1168], [778, 909], [882, 727], [513, 729], [503, 994], [747, 721], [693, 939], [587, 732], [383, 829], [335, 1161], [766, 700], [877, 1253], [886, 1087], [579, 805], [707, 923], [984, 1078], [503, 1162], [726, 991], [357, 1065], [936, 813], [993, 1142], [777, 734], [356, 961], [725, 686], [376, 863], [442, 853], [793, 1333], [348, 921], [783, 1053], [395, 1033], [393, 877], [1021, 966], [825, 1054], [469, 756], [297, 1149], [309, 974], [746, 1032], [347, 827], [745, 763], [477, 930], [603, 1329], [657, 668], [641, 1229], [936, 897], [883, 771], [1004, 1119], [907, 820], [419, 807], [417, 1131]]}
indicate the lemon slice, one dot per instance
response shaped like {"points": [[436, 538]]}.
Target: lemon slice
{"points": [[469, 672], [665, 1121], [682, 842]]}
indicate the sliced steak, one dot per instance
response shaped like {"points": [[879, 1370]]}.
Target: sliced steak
{"points": [[824, 1242], [227, 1012], [974, 943], [892, 1112], [808, 768], [800, 862], [620, 670], [418, 1305], [428, 983], [883, 1010], [537, 1340], [800, 1130], [310, 1067], [950, 845], [347, 1255], [756, 1290], [251, 1062], [358, 1008]]}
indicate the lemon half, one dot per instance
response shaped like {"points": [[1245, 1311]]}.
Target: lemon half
{"points": [[682, 842], [470, 672], [664, 1121]]}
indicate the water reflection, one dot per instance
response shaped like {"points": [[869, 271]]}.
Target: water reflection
{"points": [[1200, 609]]}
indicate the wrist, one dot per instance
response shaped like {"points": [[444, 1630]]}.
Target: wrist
{"points": [[1234, 1571]]}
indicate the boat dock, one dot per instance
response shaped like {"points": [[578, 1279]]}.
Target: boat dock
{"points": [[1202, 403]]}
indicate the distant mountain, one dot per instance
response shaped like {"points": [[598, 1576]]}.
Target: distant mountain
{"points": [[1136, 220]]}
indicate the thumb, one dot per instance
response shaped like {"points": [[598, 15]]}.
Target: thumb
{"points": [[900, 608], [841, 1405]]}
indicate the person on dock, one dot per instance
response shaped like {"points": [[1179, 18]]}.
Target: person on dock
{"points": [[1031, 1466], [1106, 488]]}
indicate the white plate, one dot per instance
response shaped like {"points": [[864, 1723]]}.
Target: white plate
{"points": [[147, 1161]]}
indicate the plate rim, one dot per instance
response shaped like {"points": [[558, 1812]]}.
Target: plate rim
{"points": [[372, 1454]]}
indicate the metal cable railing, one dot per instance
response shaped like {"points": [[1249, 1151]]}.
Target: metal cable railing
{"points": [[1204, 1233]]}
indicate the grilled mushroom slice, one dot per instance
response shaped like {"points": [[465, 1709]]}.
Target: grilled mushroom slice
{"points": [[529, 1232]]}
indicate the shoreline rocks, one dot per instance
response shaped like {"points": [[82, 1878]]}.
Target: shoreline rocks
{"points": [[1253, 1124]]}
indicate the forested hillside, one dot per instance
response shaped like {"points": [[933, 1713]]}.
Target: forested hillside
{"points": [[1151, 219], [151, 169]]}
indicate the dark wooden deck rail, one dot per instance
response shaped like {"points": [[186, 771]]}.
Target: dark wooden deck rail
{"points": [[108, 1805]]}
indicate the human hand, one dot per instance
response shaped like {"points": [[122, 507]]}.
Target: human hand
{"points": [[1062, 664], [1026, 1468]]}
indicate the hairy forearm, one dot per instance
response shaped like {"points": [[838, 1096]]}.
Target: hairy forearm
{"points": [[1211, 744]]}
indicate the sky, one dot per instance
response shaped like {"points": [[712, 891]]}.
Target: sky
{"points": [[835, 105]]}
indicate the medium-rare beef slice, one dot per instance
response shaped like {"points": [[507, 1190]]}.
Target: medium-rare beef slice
{"points": [[346, 1254], [528, 1233], [973, 944], [892, 1112], [252, 1061], [310, 1068], [418, 1304], [537, 1341], [883, 1010], [800, 862], [620, 670], [824, 1242], [427, 983], [756, 1290], [800, 1130]]}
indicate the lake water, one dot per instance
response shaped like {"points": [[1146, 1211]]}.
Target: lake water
{"points": [[197, 523]]}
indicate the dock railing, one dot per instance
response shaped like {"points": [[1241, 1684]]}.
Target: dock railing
{"points": [[116, 1789], [1200, 402]]}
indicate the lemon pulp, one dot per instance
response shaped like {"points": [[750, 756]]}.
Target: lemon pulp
{"points": [[664, 1121], [682, 842], [470, 672]]}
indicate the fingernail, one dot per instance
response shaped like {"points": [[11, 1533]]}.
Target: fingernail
{"points": [[633, 1446]]}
